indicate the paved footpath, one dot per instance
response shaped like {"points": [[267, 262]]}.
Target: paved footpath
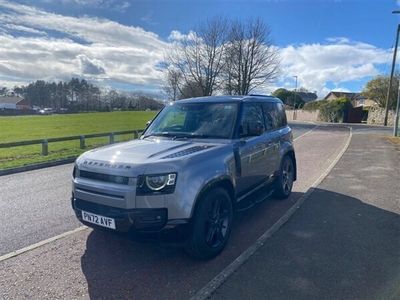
{"points": [[343, 243], [101, 265]]}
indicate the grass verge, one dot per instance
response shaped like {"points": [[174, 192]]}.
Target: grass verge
{"points": [[39, 127]]}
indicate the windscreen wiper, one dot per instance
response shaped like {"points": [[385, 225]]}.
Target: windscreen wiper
{"points": [[164, 133]]}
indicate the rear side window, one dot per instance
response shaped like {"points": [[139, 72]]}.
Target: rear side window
{"points": [[252, 120], [274, 115]]}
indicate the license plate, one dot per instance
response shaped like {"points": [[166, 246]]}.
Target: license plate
{"points": [[98, 220]]}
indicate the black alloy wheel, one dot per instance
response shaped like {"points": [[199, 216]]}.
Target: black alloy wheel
{"points": [[211, 227]]}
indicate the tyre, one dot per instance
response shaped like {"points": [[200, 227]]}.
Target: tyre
{"points": [[284, 182], [212, 222]]}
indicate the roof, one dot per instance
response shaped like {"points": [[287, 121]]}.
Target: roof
{"points": [[348, 95], [307, 96], [219, 99], [10, 99]]}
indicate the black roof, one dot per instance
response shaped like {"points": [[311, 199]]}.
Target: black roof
{"points": [[219, 99]]}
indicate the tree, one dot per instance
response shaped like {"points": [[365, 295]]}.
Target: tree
{"points": [[334, 110], [376, 90], [250, 60], [172, 84], [198, 58], [3, 91], [290, 98], [191, 89]]}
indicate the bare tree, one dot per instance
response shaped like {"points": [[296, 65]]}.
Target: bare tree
{"points": [[199, 57], [250, 58], [190, 90], [172, 84]]}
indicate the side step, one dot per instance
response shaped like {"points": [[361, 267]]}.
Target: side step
{"points": [[254, 198]]}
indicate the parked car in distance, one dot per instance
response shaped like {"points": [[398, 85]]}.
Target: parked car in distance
{"points": [[196, 163], [46, 111]]}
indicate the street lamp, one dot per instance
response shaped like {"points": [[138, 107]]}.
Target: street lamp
{"points": [[294, 100], [392, 71], [396, 116]]}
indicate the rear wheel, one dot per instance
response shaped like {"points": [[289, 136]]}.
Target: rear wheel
{"points": [[284, 182], [212, 222]]}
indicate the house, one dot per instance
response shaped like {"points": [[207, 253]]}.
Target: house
{"points": [[363, 102], [307, 96], [14, 102], [357, 99], [336, 95]]}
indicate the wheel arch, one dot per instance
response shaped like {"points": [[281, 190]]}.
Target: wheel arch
{"points": [[224, 182]]}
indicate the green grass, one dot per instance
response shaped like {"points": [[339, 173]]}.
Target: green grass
{"points": [[22, 128]]}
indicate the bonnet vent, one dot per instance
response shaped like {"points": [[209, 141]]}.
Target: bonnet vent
{"points": [[188, 151]]}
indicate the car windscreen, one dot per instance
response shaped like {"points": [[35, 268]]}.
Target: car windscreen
{"points": [[203, 120]]}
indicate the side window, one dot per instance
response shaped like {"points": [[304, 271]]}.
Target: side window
{"points": [[281, 115], [252, 120], [269, 114], [274, 115]]}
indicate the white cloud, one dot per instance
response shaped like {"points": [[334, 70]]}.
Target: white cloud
{"points": [[98, 49], [177, 36], [25, 29], [116, 5], [339, 61]]}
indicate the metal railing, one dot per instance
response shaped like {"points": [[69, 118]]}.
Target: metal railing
{"points": [[81, 138]]}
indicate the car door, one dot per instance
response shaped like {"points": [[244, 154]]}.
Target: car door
{"points": [[252, 147]]}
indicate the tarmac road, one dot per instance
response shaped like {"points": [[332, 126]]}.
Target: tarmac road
{"points": [[35, 205], [103, 265]]}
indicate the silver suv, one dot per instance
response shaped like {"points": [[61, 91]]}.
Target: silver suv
{"points": [[197, 162]]}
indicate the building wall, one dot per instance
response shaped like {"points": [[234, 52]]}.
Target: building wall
{"points": [[8, 106], [331, 97], [302, 115], [23, 107], [376, 116], [364, 102]]}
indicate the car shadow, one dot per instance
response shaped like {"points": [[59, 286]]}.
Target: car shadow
{"points": [[334, 247], [118, 267]]}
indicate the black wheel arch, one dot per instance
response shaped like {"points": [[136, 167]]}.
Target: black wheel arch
{"points": [[224, 182]]}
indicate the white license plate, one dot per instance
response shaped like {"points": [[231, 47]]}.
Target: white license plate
{"points": [[98, 220]]}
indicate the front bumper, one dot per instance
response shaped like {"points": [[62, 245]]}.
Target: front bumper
{"points": [[126, 220]]}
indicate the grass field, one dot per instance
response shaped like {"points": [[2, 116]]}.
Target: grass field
{"points": [[22, 128]]}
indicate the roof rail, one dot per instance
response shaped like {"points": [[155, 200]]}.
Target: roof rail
{"points": [[259, 95]]}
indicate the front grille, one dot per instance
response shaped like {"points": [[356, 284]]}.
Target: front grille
{"points": [[187, 151], [79, 189], [104, 177]]}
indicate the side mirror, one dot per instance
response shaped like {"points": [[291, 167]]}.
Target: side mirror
{"points": [[148, 123]]}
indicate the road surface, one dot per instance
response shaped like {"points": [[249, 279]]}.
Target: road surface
{"points": [[35, 205]]}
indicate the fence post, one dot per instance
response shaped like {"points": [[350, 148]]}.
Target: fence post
{"points": [[135, 134], [82, 142], [45, 147], [111, 138]]}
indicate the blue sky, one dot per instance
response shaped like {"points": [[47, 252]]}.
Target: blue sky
{"points": [[328, 44]]}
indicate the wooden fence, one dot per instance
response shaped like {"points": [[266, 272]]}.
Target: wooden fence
{"points": [[81, 138]]}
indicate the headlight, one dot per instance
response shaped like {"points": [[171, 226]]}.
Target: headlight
{"points": [[157, 183]]}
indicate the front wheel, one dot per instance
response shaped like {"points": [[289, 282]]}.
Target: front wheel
{"points": [[284, 182], [212, 223]]}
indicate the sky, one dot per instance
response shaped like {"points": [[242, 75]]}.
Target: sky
{"points": [[328, 44]]}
